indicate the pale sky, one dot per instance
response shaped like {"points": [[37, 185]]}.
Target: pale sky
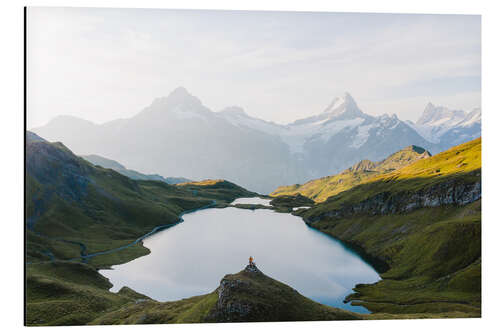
{"points": [[103, 64]]}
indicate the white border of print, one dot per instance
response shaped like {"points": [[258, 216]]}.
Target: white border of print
{"points": [[11, 136]]}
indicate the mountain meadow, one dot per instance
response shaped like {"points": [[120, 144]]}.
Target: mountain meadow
{"points": [[413, 215]]}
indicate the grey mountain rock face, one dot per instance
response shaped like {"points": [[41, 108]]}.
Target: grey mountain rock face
{"points": [[451, 192], [178, 135]]}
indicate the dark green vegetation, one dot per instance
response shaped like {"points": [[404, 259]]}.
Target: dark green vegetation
{"points": [[76, 210], [320, 189], [132, 174], [243, 297], [64, 293], [423, 222], [291, 201], [419, 224]]}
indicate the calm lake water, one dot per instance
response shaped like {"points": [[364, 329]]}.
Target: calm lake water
{"points": [[192, 257], [254, 201]]}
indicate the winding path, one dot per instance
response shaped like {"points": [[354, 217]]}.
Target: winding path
{"points": [[84, 256]]}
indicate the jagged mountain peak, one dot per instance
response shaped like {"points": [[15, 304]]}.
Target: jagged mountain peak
{"points": [[345, 99], [179, 96], [342, 105], [179, 92], [416, 149], [447, 127], [436, 114], [179, 105], [363, 165], [341, 108], [404, 157]]}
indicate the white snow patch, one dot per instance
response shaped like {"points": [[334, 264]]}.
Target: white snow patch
{"points": [[362, 136], [254, 123], [297, 135]]}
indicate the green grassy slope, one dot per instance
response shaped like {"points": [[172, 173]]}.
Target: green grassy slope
{"points": [[75, 210], [458, 165], [246, 296], [424, 222], [320, 189], [63, 293], [431, 249], [70, 202], [290, 201]]}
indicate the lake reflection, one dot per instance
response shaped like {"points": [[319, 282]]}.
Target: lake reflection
{"points": [[192, 257]]}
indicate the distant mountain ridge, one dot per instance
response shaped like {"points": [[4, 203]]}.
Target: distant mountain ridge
{"points": [[321, 189], [70, 198], [447, 127], [111, 164], [178, 135]]}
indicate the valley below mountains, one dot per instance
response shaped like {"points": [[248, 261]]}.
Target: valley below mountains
{"points": [[414, 216], [418, 224]]}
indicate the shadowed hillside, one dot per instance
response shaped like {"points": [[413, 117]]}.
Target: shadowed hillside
{"points": [[75, 208], [80, 217]]}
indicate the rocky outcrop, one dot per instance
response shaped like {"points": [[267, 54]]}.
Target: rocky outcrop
{"points": [[250, 296], [448, 192], [230, 308]]}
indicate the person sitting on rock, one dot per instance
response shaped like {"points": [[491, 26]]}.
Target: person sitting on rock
{"points": [[250, 261]]}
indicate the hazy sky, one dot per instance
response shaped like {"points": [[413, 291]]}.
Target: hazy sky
{"points": [[104, 64]]}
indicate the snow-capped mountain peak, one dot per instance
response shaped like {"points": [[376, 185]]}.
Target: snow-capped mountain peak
{"points": [[473, 117], [341, 103], [447, 127], [179, 104], [440, 115], [341, 108], [178, 97]]}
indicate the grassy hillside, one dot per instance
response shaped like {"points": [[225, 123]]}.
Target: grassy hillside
{"points": [[420, 225], [320, 189], [246, 296], [290, 201], [460, 164], [64, 293], [76, 210], [423, 222]]}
